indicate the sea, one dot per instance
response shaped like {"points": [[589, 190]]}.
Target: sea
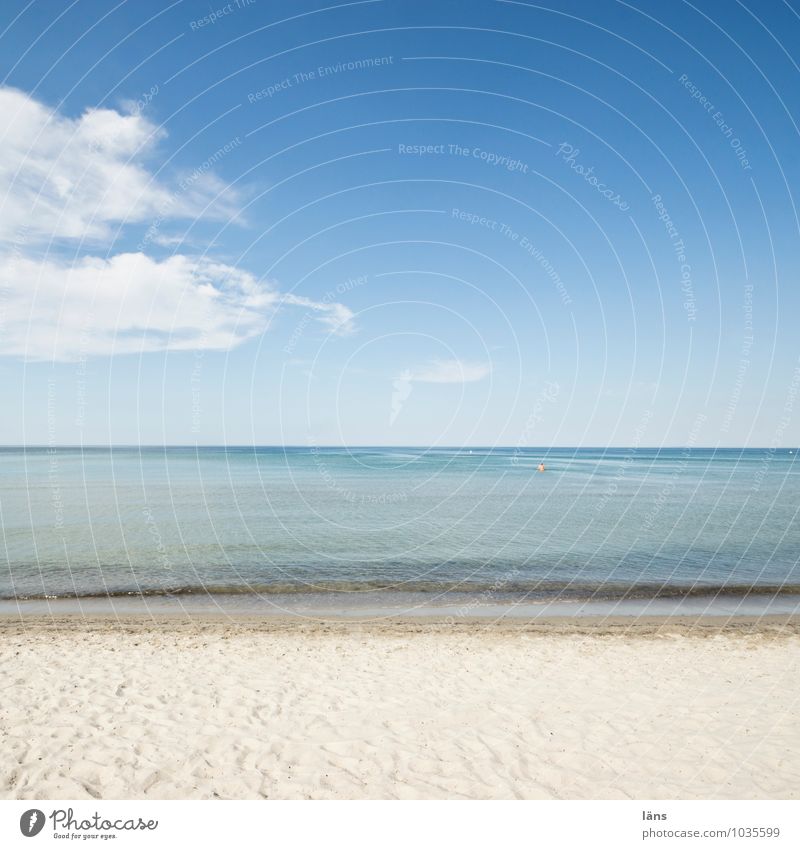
{"points": [[316, 531]]}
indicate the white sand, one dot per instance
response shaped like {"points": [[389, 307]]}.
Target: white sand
{"points": [[405, 711]]}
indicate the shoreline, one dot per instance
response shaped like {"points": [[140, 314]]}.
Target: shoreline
{"points": [[773, 626], [378, 606]]}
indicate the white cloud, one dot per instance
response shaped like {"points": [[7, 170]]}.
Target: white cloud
{"points": [[449, 371], [438, 371], [337, 317], [76, 178], [131, 303], [66, 179]]}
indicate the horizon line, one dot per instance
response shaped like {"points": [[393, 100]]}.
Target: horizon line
{"points": [[43, 445]]}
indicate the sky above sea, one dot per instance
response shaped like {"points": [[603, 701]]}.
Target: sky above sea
{"points": [[393, 223]]}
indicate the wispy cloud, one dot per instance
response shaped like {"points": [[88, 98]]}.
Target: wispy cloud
{"points": [[449, 371], [335, 316], [437, 371]]}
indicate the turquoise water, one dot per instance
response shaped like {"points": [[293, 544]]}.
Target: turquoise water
{"points": [[596, 524]]}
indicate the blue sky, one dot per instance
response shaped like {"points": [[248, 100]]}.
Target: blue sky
{"points": [[452, 223]]}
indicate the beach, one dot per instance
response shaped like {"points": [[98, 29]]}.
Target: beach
{"points": [[208, 707]]}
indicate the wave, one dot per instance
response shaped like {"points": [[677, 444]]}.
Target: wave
{"points": [[532, 591]]}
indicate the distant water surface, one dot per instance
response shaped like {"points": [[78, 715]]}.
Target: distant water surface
{"points": [[597, 524]]}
